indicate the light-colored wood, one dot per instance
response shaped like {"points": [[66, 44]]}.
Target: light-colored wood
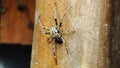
{"points": [[87, 46], [15, 24]]}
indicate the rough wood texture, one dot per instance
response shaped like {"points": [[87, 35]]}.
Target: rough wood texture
{"points": [[115, 35], [88, 46], [15, 24]]}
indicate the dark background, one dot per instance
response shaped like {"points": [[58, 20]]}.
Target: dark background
{"points": [[15, 56]]}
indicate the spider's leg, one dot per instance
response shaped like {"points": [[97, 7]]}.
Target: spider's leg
{"points": [[55, 14], [45, 32], [56, 23], [61, 20], [54, 51], [67, 31], [43, 27], [65, 45], [60, 24], [50, 39]]}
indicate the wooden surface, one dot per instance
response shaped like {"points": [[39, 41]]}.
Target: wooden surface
{"points": [[88, 46], [15, 24]]}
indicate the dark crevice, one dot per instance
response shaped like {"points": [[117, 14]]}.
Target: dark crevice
{"points": [[114, 52], [15, 55]]}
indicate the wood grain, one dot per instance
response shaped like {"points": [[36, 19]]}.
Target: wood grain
{"points": [[87, 18], [15, 24]]}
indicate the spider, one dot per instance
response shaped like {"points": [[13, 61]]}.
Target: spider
{"points": [[56, 35]]}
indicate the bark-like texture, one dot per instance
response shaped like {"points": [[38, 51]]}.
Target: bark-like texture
{"points": [[88, 45], [115, 35]]}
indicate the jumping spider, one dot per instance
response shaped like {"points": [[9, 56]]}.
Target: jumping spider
{"points": [[56, 36]]}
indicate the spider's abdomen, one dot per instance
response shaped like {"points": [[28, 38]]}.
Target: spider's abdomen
{"points": [[58, 40]]}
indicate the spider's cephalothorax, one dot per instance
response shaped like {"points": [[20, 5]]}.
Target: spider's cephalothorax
{"points": [[56, 35]]}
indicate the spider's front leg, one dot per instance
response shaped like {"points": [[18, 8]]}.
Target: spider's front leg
{"points": [[54, 51], [43, 27]]}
